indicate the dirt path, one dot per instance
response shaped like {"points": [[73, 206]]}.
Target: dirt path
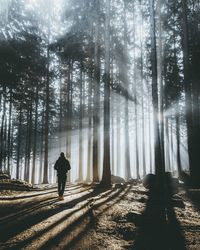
{"points": [[88, 218]]}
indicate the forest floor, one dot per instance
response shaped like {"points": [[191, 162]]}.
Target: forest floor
{"points": [[123, 217]]}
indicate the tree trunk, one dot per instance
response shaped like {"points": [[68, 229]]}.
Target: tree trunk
{"points": [[160, 87], [142, 85], [35, 136], [46, 139], [29, 141], [113, 140], [106, 177], [150, 137], [69, 112], [42, 145], [19, 142], [26, 174], [159, 168], [60, 118], [9, 133], [193, 133], [178, 142], [136, 120], [119, 138], [96, 122], [5, 145], [80, 173], [126, 83], [2, 144], [89, 145], [167, 151], [172, 148]]}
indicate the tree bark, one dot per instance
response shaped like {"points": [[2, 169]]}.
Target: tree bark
{"points": [[2, 144], [142, 85], [42, 145], [178, 142], [89, 145], [35, 135], [19, 142], [159, 168], [126, 82], [96, 122], [80, 173], [106, 177], [9, 133], [46, 136], [193, 133], [69, 112]]}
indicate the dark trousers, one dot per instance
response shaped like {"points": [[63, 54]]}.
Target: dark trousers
{"points": [[61, 184]]}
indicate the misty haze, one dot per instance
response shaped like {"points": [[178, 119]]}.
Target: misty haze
{"points": [[100, 124]]}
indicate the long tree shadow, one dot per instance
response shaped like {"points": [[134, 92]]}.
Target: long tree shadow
{"points": [[87, 218], [26, 196], [40, 192], [28, 206], [78, 229], [28, 240], [158, 227], [19, 225]]}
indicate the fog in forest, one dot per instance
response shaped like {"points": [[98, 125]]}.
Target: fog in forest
{"points": [[74, 72]]}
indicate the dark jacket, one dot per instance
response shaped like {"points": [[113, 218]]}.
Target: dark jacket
{"points": [[62, 166]]}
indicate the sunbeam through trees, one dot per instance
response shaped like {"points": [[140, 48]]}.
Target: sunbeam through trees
{"points": [[113, 84], [100, 124]]}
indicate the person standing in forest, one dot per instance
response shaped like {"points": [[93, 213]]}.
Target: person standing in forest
{"points": [[62, 166]]}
